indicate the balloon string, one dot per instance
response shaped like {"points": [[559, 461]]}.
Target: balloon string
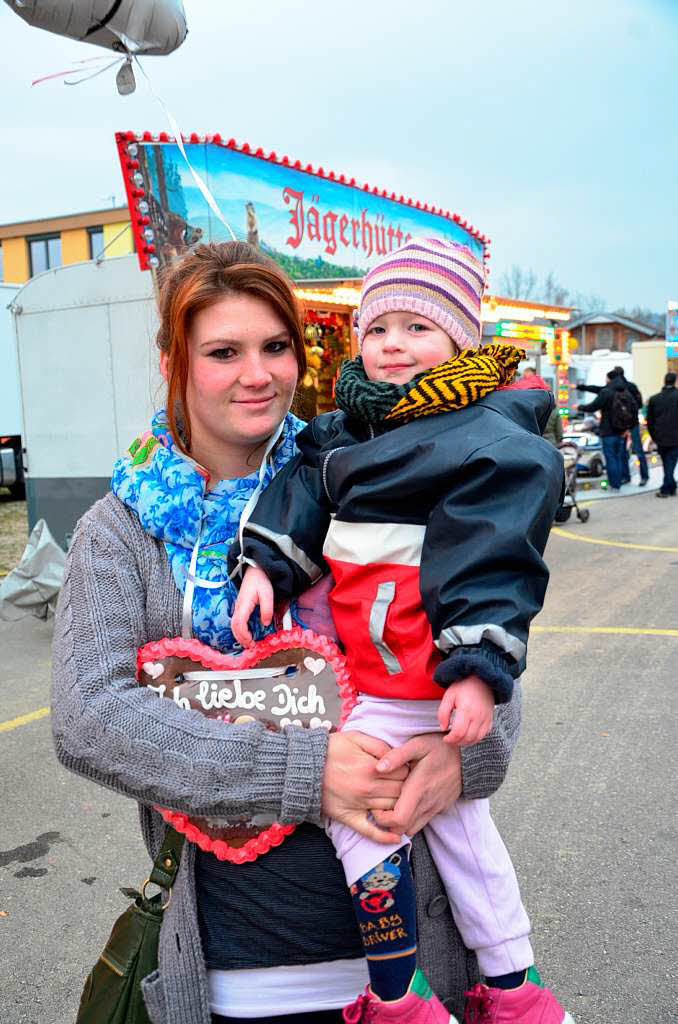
{"points": [[178, 138], [94, 74], [72, 71], [209, 198]]}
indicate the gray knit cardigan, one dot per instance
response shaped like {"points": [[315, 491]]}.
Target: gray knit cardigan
{"points": [[118, 594]]}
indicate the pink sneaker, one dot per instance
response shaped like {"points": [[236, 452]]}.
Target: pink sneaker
{"points": [[531, 1003], [417, 1006]]}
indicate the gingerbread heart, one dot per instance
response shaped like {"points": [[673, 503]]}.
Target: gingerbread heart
{"points": [[293, 677]]}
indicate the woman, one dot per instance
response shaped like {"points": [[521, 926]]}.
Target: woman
{"points": [[276, 937]]}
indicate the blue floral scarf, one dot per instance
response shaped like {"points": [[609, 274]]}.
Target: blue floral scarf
{"points": [[167, 490]]}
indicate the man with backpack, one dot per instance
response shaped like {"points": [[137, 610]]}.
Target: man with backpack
{"points": [[618, 414], [636, 441]]}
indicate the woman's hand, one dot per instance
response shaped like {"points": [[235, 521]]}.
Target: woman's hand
{"points": [[255, 590], [434, 782], [352, 786]]}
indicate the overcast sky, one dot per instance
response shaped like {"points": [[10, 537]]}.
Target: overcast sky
{"points": [[550, 127]]}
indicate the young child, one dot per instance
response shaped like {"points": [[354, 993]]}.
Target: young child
{"points": [[429, 496]]}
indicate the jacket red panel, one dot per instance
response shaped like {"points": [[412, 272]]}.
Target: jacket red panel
{"points": [[378, 611]]}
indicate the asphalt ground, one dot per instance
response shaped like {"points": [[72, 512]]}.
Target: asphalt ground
{"points": [[588, 810]]}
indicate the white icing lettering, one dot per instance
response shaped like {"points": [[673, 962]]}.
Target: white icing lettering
{"points": [[290, 704], [212, 698], [312, 703], [182, 702]]}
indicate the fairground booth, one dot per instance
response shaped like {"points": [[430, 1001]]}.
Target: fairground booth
{"points": [[672, 337], [324, 229]]}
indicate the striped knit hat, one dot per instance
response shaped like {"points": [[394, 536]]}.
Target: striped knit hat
{"points": [[442, 281]]}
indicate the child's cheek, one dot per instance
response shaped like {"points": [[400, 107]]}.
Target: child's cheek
{"points": [[369, 358]]}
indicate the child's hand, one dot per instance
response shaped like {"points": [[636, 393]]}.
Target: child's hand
{"points": [[255, 589], [467, 710]]}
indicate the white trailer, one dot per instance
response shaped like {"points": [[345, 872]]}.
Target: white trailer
{"points": [[88, 370], [11, 465], [594, 368]]}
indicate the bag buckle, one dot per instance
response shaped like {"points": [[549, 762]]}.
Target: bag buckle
{"points": [[163, 906]]}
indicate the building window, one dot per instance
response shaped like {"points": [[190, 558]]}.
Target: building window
{"points": [[96, 241], [604, 337], [44, 252]]}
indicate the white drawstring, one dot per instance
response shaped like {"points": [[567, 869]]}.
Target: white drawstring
{"points": [[192, 581], [252, 500]]}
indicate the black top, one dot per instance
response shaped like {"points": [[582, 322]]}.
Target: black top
{"points": [[290, 906], [633, 388], [603, 403], [662, 417]]}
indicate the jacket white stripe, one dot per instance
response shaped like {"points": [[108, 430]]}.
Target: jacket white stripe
{"points": [[462, 636], [374, 543], [287, 546]]}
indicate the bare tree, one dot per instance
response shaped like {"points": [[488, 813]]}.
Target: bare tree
{"points": [[521, 283], [643, 316], [554, 292], [518, 283], [588, 303]]}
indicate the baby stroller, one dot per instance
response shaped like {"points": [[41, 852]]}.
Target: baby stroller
{"points": [[570, 452]]}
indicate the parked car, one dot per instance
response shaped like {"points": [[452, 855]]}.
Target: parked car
{"points": [[590, 461]]}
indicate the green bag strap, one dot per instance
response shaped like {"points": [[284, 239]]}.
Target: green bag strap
{"points": [[167, 862]]}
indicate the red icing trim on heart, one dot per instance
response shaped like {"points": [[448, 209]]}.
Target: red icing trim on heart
{"points": [[207, 656], [252, 849]]}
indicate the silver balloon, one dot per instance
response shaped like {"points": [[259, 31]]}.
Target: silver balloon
{"points": [[150, 27]]}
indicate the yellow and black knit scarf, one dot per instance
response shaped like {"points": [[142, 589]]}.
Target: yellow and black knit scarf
{"points": [[451, 385]]}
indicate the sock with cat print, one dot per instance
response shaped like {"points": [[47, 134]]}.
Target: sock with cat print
{"points": [[385, 906]]}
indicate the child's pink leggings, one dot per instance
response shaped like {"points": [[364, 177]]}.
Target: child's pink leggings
{"points": [[468, 851]]}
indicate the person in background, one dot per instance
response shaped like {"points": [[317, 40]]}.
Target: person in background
{"points": [[611, 401], [553, 431], [636, 442], [662, 422]]}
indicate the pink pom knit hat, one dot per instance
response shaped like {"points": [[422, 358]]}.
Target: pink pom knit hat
{"points": [[440, 280]]}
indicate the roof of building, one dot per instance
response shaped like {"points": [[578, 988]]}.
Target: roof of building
{"points": [[66, 222], [611, 318]]}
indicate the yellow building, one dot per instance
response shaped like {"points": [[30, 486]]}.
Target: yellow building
{"points": [[30, 247]]}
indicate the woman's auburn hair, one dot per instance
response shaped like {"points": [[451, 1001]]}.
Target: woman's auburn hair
{"points": [[203, 276]]}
